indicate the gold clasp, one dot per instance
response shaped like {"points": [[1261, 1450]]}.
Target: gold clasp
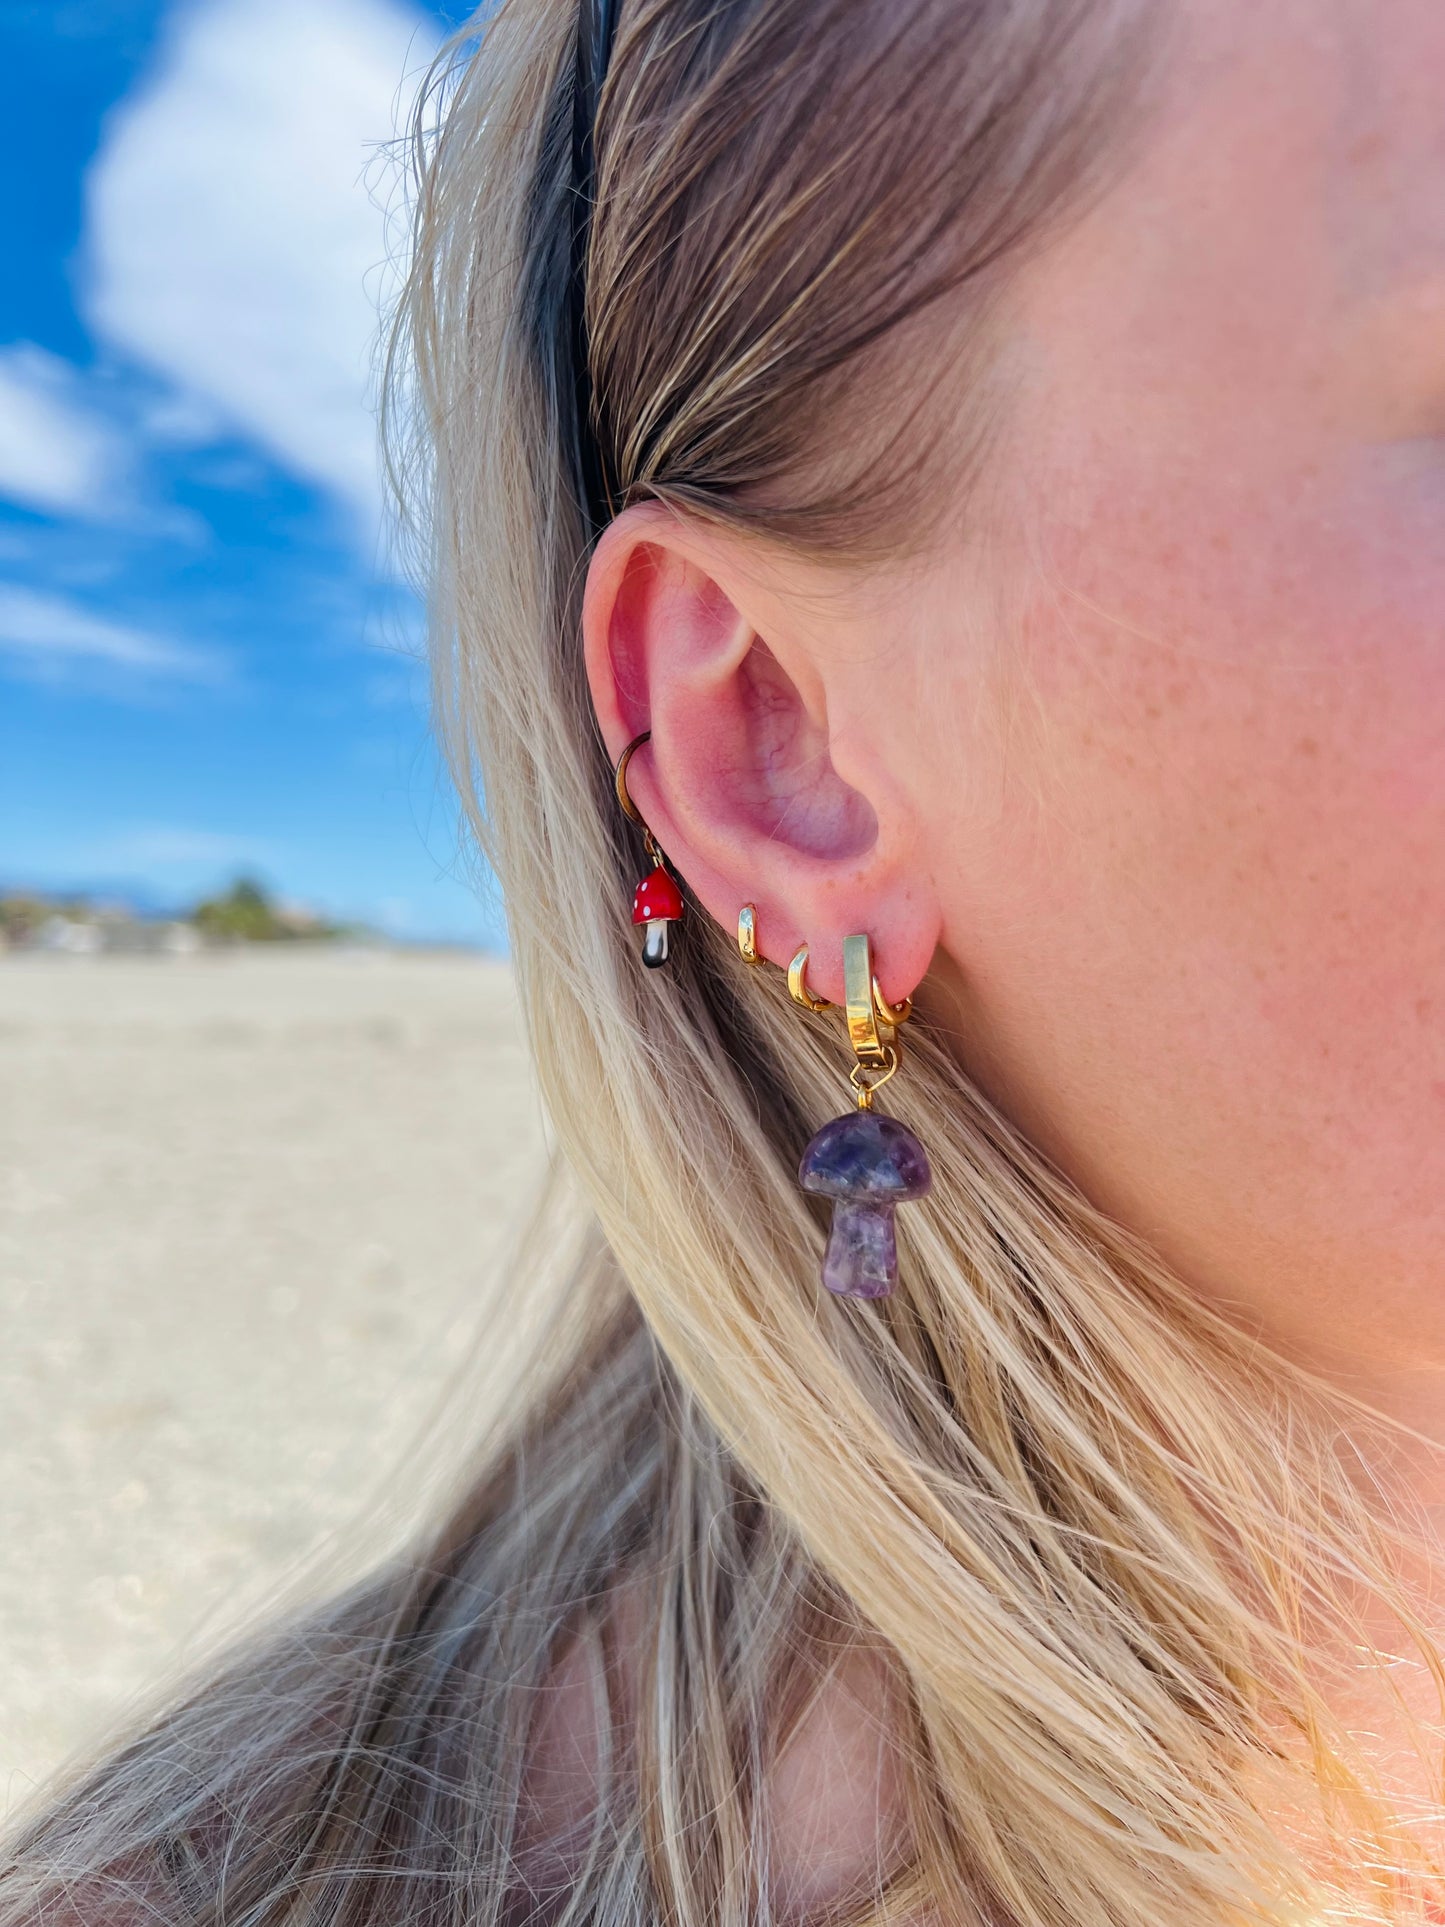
{"points": [[866, 1081]]}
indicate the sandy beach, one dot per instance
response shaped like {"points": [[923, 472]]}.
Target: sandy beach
{"points": [[249, 1207]]}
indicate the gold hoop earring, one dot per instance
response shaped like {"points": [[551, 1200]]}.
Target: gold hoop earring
{"points": [[867, 1163], [628, 807], [891, 1014], [657, 902], [748, 935], [798, 983]]}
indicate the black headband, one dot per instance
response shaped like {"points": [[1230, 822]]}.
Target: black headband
{"points": [[596, 25]]}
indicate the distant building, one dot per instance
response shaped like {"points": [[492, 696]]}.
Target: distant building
{"points": [[88, 927]]}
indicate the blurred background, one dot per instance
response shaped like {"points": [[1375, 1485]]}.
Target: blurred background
{"points": [[263, 1115]]}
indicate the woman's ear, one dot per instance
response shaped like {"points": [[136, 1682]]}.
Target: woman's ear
{"points": [[712, 642]]}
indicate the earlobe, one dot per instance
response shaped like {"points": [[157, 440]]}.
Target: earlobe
{"points": [[694, 635]]}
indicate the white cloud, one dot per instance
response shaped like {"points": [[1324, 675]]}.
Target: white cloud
{"points": [[232, 243], [50, 633], [56, 454]]}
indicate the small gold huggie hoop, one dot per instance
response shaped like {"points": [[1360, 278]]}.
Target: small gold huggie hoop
{"points": [[891, 1014], [748, 934], [798, 983], [628, 807]]}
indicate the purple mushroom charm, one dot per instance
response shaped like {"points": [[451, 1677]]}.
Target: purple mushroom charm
{"points": [[866, 1163]]}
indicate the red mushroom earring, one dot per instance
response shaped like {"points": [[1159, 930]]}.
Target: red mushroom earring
{"points": [[657, 901]]}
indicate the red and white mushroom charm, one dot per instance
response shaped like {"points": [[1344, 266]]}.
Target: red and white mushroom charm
{"points": [[657, 905], [657, 902]]}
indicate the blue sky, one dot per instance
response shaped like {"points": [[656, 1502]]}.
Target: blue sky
{"points": [[205, 664]]}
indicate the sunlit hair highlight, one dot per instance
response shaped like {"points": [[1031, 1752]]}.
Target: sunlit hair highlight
{"points": [[1098, 1542]]}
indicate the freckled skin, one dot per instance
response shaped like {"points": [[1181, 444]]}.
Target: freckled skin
{"points": [[1192, 838], [1143, 762]]}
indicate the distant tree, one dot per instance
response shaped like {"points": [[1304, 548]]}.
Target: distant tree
{"points": [[23, 912], [241, 916], [246, 914]]}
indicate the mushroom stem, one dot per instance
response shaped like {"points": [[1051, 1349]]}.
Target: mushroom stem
{"points": [[655, 943], [862, 1256], [866, 1164]]}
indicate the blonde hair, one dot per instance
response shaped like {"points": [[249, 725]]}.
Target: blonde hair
{"points": [[1098, 1540]]}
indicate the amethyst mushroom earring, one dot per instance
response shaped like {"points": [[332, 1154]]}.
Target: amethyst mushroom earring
{"points": [[866, 1163]]}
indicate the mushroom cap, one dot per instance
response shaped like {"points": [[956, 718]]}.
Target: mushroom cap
{"points": [[866, 1156], [657, 897]]}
